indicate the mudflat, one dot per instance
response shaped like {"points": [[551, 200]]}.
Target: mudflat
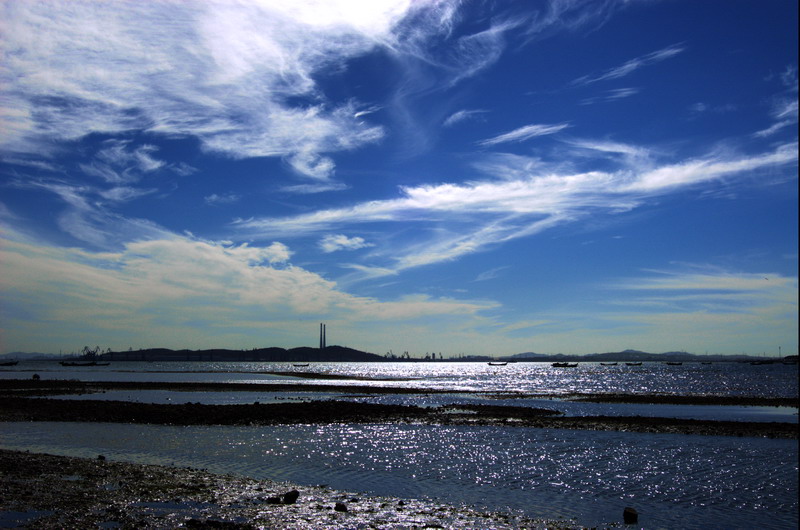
{"points": [[16, 404]]}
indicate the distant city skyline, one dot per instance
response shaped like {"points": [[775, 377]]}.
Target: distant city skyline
{"points": [[477, 178]]}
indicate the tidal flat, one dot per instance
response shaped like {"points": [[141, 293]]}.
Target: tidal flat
{"points": [[522, 446], [16, 405]]}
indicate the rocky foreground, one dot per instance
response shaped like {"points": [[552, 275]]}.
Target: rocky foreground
{"points": [[45, 491]]}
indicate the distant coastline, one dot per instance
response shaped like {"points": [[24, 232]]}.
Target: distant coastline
{"points": [[345, 354]]}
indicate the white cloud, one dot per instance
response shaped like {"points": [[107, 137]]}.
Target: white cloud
{"points": [[612, 95], [117, 163], [461, 116], [632, 65], [222, 72], [216, 199], [185, 293], [473, 216], [569, 15], [712, 305], [124, 193], [87, 215], [319, 187], [335, 242], [785, 115], [697, 171], [617, 148], [524, 133], [490, 274]]}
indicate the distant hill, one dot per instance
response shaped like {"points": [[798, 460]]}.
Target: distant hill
{"points": [[341, 353], [623, 356], [21, 355], [302, 354]]}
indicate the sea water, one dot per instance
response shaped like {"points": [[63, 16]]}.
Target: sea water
{"points": [[673, 480], [720, 378]]}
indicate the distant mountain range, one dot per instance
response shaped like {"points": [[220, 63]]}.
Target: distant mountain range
{"points": [[341, 353], [626, 356]]}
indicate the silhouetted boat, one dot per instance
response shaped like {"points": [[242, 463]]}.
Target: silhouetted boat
{"points": [[672, 363], [608, 364], [633, 364], [564, 365], [705, 362], [9, 363], [300, 365], [498, 364], [89, 363]]}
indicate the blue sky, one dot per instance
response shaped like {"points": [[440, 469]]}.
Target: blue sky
{"points": [[423, 176]]}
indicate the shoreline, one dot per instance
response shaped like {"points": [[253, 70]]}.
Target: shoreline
{"points": [[48, 491]]}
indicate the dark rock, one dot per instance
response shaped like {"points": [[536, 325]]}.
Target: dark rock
{"points": [[630, 515], [290, 497], [340, 507], [101, 458], [36, 377]]}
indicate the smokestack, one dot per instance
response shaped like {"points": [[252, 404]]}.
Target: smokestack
{"points": [[320, 336], [324, 336]]}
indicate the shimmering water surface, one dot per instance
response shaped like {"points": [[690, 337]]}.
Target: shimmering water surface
{"points": [[674, 481], [736, 379]]}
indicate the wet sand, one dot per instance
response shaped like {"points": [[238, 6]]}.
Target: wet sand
{"points": [[45, 491]]}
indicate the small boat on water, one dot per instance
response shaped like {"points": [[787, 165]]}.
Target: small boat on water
{"points": [[673, 363], [564, 365], [88, 363], [633, 364], [608, 364], [705, 362], [304, 365], [499, 363], [9, 363]]}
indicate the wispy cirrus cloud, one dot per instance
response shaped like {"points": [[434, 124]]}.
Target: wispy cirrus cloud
{"points": [[630, 66], [784, 114], [473, 216], [462, 116], [611, 95], [702, 291], [490, 274], [118, 162], [570, 15], [524, 133], [88, 214]]}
